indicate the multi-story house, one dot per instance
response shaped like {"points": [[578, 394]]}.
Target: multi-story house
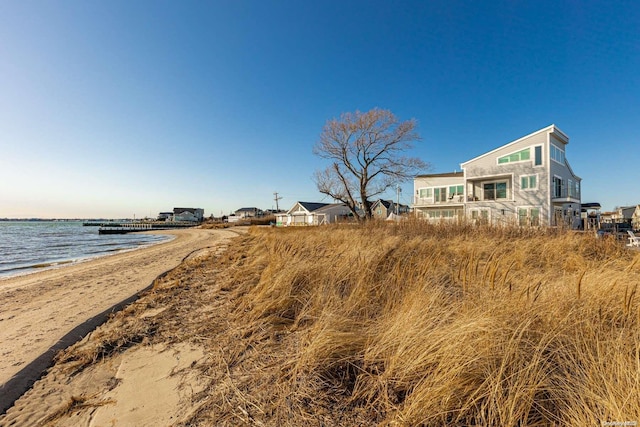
{"points": [[526, 182]]}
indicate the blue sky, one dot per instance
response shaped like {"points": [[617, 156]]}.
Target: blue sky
{"points": [[121, 108]]}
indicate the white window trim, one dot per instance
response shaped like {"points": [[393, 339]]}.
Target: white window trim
{"points": [[564, 157], [530, 188], [528, 208], [479, 211], [533, 160], [506, 181], [553, 186]]}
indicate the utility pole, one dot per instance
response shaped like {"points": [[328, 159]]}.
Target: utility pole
{"points": [[276, 199], [398, 190]]}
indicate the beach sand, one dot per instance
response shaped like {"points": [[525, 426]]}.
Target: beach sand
{"points": [[47, 311]]}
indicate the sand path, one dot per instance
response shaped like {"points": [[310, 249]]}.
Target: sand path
{"points": [[46, 311]]}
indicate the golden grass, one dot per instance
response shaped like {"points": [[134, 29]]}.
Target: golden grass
{"points": [[409, 324]]}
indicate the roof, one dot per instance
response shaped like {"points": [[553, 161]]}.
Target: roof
{"points": [[247, 210], [387, 203], [550, 129], [328, 206], [592, 205], [442, 175], [312, 206]]}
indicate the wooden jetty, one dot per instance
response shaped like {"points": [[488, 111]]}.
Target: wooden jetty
{"points": [[132, 227]]}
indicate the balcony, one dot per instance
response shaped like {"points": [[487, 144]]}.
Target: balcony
{"points": [[564, 196], [430, 201]]}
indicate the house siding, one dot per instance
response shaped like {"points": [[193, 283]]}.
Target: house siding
{"points": [[486, 169]]}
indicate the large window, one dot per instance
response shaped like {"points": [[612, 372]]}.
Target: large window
{"points": [[494, 190], [556, 154], [529, 182], [515, 157], [574, 189]]}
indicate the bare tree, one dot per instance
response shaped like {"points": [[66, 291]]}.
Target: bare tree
{"points": [[366, 155]]}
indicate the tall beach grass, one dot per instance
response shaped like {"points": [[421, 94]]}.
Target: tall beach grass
{"points": [[418, 324]]}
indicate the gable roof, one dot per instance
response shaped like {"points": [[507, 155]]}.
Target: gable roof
{"points": [[308, 206], [550, 129], [387, 203], [312, 206]]}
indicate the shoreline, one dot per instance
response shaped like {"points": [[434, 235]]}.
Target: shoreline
{"points": [[66, 262], [45, 311]]}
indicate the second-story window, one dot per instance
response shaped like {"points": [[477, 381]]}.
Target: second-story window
{"points": [[557, 186], [440, 194], [494, 190], [456, 190], [425, 193], [574, 189]]}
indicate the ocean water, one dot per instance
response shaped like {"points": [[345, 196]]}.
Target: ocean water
{"points": [[31, 246]]}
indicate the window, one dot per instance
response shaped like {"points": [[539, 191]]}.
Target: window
{"points": [[456, 190], [538, 155], [557, 186], [556, 154], [443, 214], [519, 156], [440, 194], [529, 182], [480, 216], [528, 216], [425, 193], [495, 190]]}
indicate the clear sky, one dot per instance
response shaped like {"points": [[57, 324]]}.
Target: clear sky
{"points": [[119, 108]]}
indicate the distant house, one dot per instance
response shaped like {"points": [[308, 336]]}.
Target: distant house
{"points": [[309, 213], [623, 214], [635, 218], [188, 214], [526, 182], [165, 216], [248, 213], [381, 209]]}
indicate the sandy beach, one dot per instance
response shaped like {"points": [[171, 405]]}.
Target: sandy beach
{"points": [[47, 311]]}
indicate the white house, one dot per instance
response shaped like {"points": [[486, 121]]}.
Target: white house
{"points": [[188, 214], [248, 212], [308, 213], [528, 182]]}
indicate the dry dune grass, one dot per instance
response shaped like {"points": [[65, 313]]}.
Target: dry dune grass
{"points": [[416, 324], [404, 324]]}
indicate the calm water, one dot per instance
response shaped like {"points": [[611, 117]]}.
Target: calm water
{"points": [[31, 246]]}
